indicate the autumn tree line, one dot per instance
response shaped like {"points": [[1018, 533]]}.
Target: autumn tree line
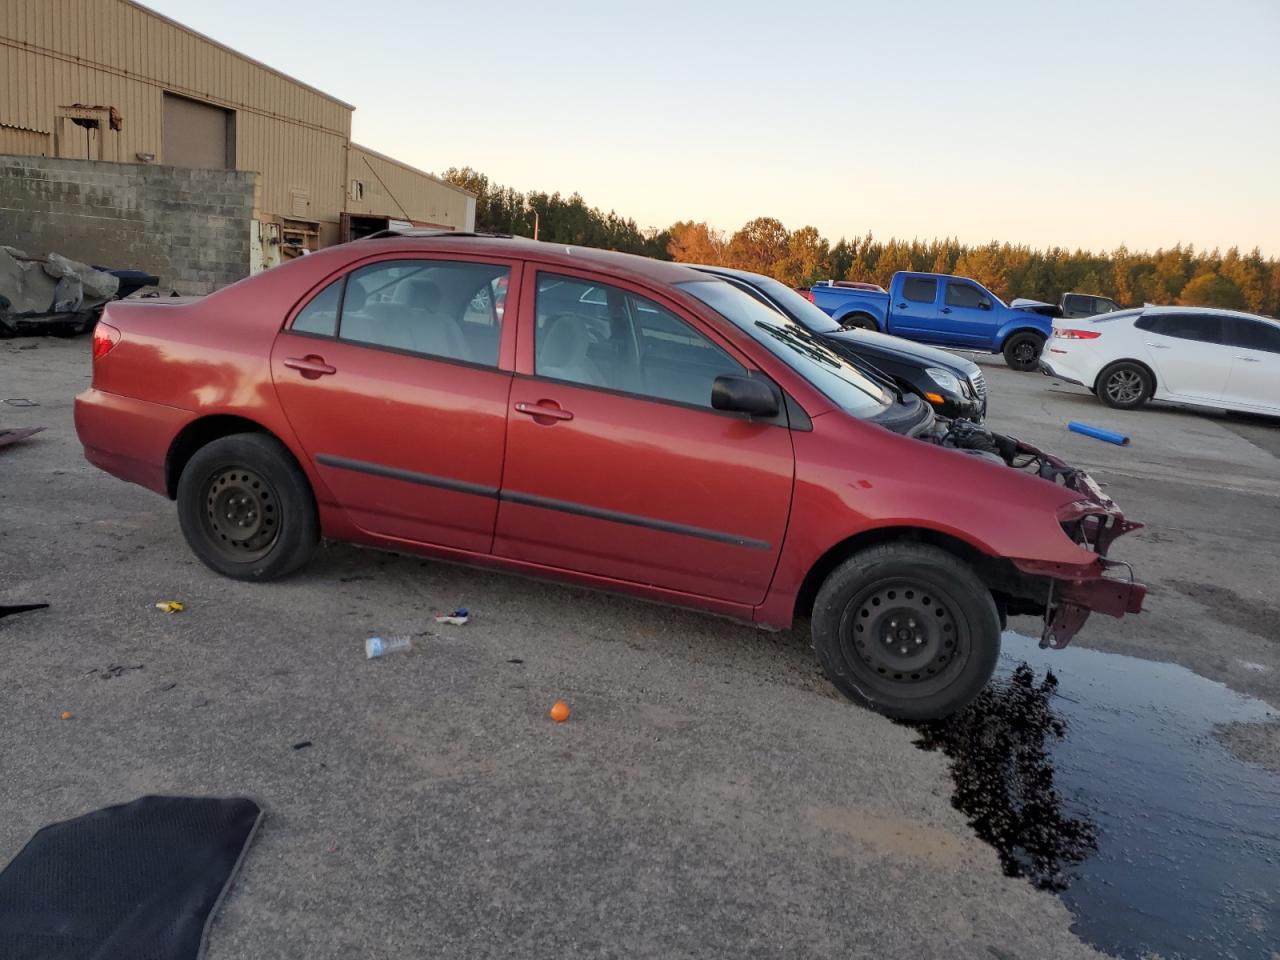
{"points": [[1178, 275]]}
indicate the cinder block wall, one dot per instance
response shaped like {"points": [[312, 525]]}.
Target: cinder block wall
{"points": [[189, 227]]}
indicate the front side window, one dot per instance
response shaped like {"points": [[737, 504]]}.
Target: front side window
{"points": [[450, 310], [602, 336], [1255, 335], [964, 295], [920, 289], [804, 352], [1202, 327]]}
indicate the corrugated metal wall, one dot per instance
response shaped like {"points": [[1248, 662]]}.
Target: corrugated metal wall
{"points": [[54, 53], [394, 189]]}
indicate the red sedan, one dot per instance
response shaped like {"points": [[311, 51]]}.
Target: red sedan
{"points": [[604, 419]]}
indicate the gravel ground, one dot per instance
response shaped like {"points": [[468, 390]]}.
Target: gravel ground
{"points": [[710, 796]]}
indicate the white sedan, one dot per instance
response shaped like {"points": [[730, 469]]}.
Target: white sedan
{"points": [[1209, 358]]}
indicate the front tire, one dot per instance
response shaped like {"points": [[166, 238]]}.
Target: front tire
{"points": [[1125, 385], [1022, 351], [906, 629], [246, 508]]}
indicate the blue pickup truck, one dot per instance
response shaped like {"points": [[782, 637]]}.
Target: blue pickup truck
{"points": [[943, 310]]}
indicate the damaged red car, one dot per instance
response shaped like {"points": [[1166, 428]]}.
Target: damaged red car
{"points": [[604, 419]]}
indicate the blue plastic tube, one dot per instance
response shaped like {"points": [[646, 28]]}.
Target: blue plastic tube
{"points": [[1119, 439]]}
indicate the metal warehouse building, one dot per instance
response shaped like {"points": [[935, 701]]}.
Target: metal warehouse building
{"points": [[113, 82]]}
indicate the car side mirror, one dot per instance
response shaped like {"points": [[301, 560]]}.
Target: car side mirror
{"points": [[744, 395], [984, 304]]}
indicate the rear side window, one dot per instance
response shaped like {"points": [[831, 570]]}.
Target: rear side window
{"points": [[320, 316], [1201, 327], [920, 289], [601, 336], [963, 295], [1254, 335], [436, 308]]}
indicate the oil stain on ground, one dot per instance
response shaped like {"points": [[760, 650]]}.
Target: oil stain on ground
{"points": [[1099, 776]]}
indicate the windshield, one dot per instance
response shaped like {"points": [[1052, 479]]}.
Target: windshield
{"points": [[802, 351], [796, 305]]}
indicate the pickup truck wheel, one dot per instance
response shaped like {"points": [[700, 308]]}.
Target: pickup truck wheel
{"points": [[1124, 385], [1022, 351], [907, 629], [246, 508], [859, 321]]}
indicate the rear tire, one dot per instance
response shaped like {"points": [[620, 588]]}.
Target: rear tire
{"points": [[906, 629], [1124, 385], [860, 321], [246, 508], [1022, 351]]}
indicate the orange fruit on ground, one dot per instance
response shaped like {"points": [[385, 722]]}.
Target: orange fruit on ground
{"points": [[66, 714], [560, 711]]}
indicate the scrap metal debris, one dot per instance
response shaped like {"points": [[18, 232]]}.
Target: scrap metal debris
{"points": [[13, 436], [457, 618], [20, 608], [55, 294], [171, 606]]}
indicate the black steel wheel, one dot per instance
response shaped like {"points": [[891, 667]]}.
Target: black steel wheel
{"points": [[240, 513], [907, 629], [246, 508], [1022, 351], [1124, 385]]}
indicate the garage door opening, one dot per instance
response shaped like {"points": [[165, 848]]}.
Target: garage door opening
{"points": [[198, 134]]}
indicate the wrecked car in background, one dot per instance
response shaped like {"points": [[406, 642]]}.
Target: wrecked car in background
{"points": [[56, 295], [616, 422]]}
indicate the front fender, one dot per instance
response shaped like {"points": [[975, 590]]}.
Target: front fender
{"points": [[1031, 322]]}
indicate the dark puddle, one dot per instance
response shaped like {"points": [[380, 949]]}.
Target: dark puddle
{"points": [[1099, 776]]}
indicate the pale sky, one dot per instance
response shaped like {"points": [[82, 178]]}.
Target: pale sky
{"points": [[1079, 123]]}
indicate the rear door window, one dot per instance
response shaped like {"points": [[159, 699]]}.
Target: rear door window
{"points": [[320, 316], [437, 308], [920, 289], [1201, 327]]}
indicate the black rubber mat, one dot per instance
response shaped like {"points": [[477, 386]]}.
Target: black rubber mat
{"points": [[139, 881]]}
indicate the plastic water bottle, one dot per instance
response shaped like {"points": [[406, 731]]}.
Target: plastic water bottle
{"points": [[381, 646]]}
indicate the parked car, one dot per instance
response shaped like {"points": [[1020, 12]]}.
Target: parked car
{"points": [[943, 310], [628, 424], [1071, 306], [1198, 356], [953, 385]]}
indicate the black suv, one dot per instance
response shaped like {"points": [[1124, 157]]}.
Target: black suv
{"points": [[952, 385]]}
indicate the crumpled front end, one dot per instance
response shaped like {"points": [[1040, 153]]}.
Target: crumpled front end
{"points": [[1065, 593]]}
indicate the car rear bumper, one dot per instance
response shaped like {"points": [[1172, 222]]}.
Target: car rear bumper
{"points": [[128, 438], [1048, 369]]}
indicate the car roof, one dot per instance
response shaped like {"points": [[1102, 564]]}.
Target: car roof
{"points": [[505, 245]]}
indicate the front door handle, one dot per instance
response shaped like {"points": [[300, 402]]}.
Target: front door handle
{"points": [[1249, 359], [902, 306], [311, 366], [543, 410]]}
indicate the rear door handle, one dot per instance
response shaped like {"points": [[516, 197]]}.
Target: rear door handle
{"points": [[1158, 346], [543, 408], [311, 366], [1249, 359], [946, 309]]}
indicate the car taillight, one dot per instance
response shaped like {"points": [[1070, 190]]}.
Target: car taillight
{"points": [[105, 336], [1067, 333]]}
